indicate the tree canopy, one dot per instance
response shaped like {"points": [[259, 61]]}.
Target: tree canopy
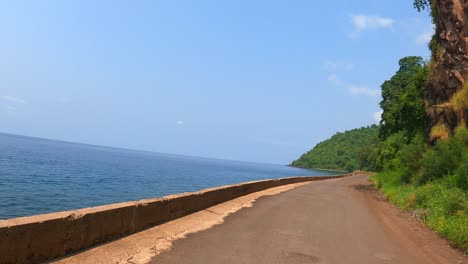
{"points": [[422, 4], [375, 147], [343, 151], [402, 103]]}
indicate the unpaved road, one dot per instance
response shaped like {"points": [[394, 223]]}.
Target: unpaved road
{"points": [[332, 221]]}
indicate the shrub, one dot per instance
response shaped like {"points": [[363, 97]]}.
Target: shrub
{"points": [[443, 159], [461, 176], [440, 204], [388, 149], [409, 159]]}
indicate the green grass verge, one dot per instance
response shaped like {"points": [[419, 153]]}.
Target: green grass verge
{"points": [[439, 204]]}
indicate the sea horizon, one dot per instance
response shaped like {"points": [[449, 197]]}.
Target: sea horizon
{"points": [[40, 175], [144, 150]]}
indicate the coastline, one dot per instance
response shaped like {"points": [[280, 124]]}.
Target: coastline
{"points": [[294, 233], [144, 246], [319, 169], [44, 237]]}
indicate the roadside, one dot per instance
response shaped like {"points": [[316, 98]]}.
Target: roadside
{"points": [[142, 246], [333, 221]]}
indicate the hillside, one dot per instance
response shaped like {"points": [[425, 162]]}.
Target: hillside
{"points": [[446, 91], [343, 151]]}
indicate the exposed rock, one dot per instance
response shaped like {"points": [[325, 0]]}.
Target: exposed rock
{"points": [[448, 70]]}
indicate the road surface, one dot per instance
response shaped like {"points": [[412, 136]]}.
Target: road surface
{"points": [[332, 221]]}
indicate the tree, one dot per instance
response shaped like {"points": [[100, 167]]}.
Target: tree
{"points": [[343, 151], [422, 4], [402, 103]]}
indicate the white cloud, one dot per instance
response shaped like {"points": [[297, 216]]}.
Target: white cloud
{"points": [[425, 37], [362, 22], [377, 116], [349, 66], [363, 90], [11, 104], [353, 89], [14, 100], [333, 78], [418, 31], [10, 108], [180, 123], [338, 65]]}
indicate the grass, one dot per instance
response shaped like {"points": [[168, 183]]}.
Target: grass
{"points": [[439, 131], [440, 204]]}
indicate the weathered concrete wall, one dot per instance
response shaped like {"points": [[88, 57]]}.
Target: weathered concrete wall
{"points": [[43, 237]]}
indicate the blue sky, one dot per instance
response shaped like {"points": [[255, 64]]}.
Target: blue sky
{"points": [[247, 80]]}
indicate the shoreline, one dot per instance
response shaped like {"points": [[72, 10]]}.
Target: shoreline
{"points": [[319, 169], [114, 204], [44, 237], [235, 230], [85, 210], [144, 246]]}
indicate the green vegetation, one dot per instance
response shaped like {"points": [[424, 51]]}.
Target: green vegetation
{"points": [[343, 151], [422, 168], [428, 180], [421, 5], [402, 104], [439, 204], [432, 183]]}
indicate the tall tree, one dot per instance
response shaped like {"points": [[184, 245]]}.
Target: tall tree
{"points": [[402, 103]]}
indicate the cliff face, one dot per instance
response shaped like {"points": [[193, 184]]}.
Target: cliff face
{"points": [[446, 90]]}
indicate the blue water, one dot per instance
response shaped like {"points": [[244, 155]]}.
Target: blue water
{"points": [[40, 176]]}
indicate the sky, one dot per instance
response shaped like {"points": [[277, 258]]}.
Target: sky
{"points": [[260, 81]]}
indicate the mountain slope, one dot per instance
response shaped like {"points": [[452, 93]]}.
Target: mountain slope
{"points": [[343, 151]]}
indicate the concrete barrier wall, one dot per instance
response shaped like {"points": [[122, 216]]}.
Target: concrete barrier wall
{"points": [[44, 237]]}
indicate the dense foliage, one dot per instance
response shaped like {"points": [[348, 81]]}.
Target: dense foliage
{"points": [[422, 4], [422, 171], [430, 180], [402, 104], [343, 151], [402, 120]]}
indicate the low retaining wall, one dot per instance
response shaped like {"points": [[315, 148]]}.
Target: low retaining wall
{"points": [[44, 237]]}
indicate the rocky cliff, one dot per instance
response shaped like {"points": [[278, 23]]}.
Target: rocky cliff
{"points": [[446, 91]]}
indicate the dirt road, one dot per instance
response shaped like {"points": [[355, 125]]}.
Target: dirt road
{"points": [[332, 221]]}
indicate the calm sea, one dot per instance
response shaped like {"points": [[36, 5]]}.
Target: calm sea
{"points": [[40, 176]]}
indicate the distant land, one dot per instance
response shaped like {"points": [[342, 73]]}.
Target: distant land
{"points": [[344, 151]]}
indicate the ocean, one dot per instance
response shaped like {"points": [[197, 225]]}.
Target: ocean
{"points": [[41, 176]]}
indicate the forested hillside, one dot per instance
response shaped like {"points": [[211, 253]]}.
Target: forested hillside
{"points": [[427, 177], [421, 151], [343, 151], [446, 89]]}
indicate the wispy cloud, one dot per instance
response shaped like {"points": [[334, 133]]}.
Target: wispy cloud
{"points": [[418, 31], [377, 116], [12, 99], [425, 36], [337, 65], [363, 22], [334, 79], [11, 104], [353, 89], [363, 90]]}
